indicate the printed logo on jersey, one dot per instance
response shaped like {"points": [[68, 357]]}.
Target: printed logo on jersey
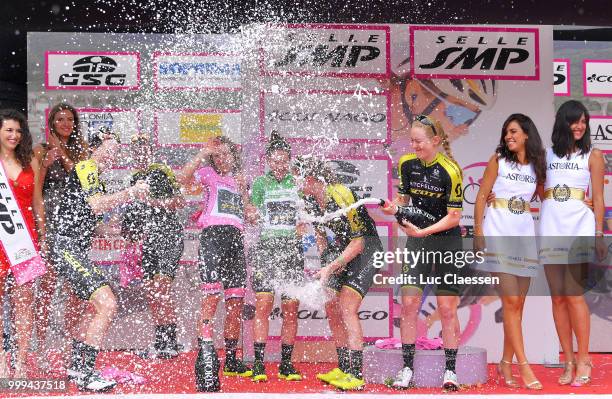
{"points": [[92, 71], [281, 213], [470, 52], [229, 203]]}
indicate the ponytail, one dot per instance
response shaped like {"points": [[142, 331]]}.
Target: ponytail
{"points": [[434, 128]]}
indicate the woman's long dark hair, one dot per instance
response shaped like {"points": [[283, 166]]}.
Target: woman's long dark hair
{"points": [[534, 150], [23, 151], [77, 147], [562, 137]]}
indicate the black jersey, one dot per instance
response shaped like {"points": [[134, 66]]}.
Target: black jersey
{"points": [[356, 223], [433, 187], [140, 218], [78, 219]]}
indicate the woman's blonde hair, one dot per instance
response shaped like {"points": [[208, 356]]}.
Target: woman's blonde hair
{"points": [[433, 128]]}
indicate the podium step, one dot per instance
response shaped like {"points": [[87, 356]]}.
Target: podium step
{"points": [[382, 364]]}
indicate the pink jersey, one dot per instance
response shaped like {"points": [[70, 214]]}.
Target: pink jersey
{"points": [[222, 200]]}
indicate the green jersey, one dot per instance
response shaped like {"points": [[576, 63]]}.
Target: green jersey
{"points": [[277, 203]]}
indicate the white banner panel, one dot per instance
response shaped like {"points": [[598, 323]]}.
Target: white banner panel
{"points": [[375, 314], [92, 70], [561, 73], [597, 78], [601, 131], [337, 116], [474, 52], [196, 71], [193, 128]]}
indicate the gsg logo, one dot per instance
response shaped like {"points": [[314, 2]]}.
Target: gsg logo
{"points": [[94, 64], [92, 71], [98, 71]]}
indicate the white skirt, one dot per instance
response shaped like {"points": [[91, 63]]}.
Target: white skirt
{"points": [[566, 229], [510, 243]]}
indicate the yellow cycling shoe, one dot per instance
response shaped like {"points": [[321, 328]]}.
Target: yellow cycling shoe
{"points": [[349, 383], [259, 372], [236, 369], [288, 373], [331, 375]]}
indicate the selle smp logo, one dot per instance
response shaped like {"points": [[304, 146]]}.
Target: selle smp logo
{"points": [[92, 71], [330, 50], [456, 52]]}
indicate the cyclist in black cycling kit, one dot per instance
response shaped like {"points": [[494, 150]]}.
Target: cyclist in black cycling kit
{"points": [[349, 266], [433, 181], [82, 202], [156, 224]]}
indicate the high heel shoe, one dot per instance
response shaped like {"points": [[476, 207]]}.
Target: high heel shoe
{"points": [[535, 384], [583, 380], [510, 383], [568, 373]]}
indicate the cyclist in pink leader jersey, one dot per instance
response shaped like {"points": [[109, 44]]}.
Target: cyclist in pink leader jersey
{"points": [[221, 259]]}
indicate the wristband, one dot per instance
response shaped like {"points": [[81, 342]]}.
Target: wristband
{"points": [[599, 233], [341, 261]]}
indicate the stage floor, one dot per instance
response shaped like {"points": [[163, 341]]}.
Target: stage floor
{"points": [[174, 379]]}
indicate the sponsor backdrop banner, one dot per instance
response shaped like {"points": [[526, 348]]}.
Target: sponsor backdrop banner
{"points": [[347, 92], [353, 90], [589, 79]]}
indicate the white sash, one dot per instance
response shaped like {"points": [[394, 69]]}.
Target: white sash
{"points": [[26, 263]]}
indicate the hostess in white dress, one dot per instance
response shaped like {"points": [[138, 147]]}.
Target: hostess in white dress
{"points": [[565, 220], [508, 226]]}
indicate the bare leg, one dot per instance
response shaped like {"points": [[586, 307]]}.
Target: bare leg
{"points": [[514, 290], [555, 274], [579, 315], [209, 308], [447, 306], [290, 323], [349, 305], [105, 305], [336, 324], [42, 308], [263, 307], [159, 296], [23, 298], [411, 303], [4, 370], [233, 318]]}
